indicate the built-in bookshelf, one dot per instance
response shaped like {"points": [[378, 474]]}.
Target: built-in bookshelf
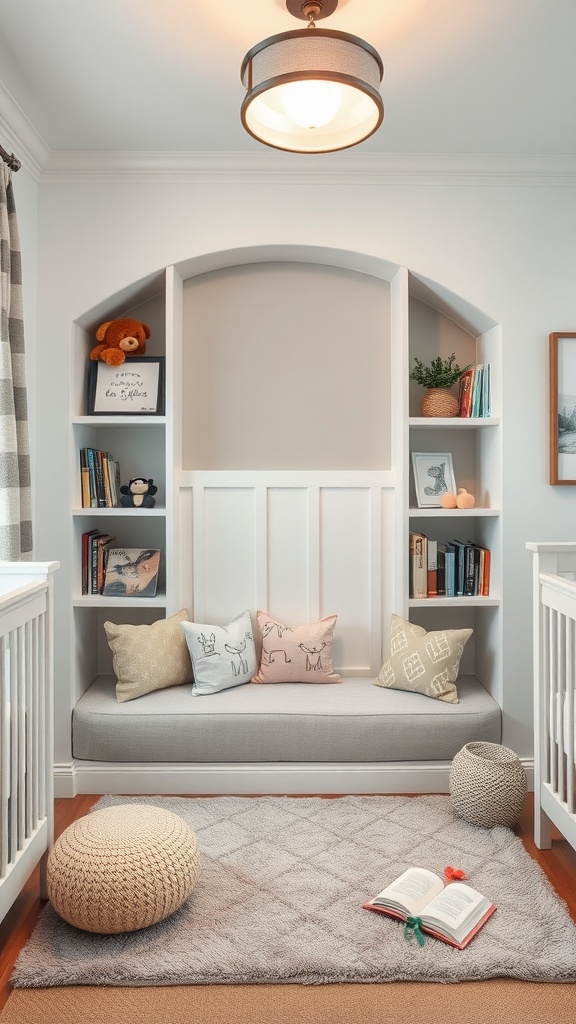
{"points": [[439, 324], [424, 319], [123, 447]]}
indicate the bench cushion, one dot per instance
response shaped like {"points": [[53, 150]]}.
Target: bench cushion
{"points": [[353, 722]]}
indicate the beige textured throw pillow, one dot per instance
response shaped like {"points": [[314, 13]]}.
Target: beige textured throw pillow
{"points": [[149, 657], [423, 662]]}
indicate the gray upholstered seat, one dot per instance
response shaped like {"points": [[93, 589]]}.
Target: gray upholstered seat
{"points": [[354, 721]]}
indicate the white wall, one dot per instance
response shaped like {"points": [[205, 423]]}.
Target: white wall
{"points": [[509, 250]]}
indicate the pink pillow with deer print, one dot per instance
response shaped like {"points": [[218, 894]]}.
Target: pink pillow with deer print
{"points": [[296, 654]]}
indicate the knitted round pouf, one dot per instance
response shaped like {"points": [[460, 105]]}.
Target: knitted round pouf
{"points": [[488, 785], [122, 868]]}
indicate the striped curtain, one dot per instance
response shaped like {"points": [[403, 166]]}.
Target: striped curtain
{"points": [[15, 491]]}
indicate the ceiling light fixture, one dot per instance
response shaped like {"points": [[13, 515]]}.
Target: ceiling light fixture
{"points": [[312, 90]]}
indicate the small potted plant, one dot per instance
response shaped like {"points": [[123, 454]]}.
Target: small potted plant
{"points": [[438, 378]]}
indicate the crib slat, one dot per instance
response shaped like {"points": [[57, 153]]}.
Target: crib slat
{"points": [[569, 710], [43, 785], [559, 700], [34, 767], [14, 733], [552, 676], [28, 701], [25, 712], [5, 757]]}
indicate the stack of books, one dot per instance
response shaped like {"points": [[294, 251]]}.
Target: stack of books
{"points": [[474, 393], [100, 476], [455, 569], [95, 547]]}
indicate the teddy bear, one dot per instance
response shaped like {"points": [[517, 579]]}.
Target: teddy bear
{"points": [[120, 338], [138, 493]]}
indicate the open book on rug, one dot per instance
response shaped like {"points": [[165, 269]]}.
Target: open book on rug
{"points": [[453, 912]]}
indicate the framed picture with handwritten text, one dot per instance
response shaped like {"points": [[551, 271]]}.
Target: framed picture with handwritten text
{"points": [[136, 388], [563, 408]]}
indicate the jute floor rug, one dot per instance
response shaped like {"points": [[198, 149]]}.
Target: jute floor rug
{"points": [[476, 1002], [280, 900]]}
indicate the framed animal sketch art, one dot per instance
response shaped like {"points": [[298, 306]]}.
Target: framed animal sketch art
{"points": [[433, 477]]}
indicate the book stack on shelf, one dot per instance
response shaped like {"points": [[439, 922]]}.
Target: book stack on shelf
{"points": [[95, 547], [455, 569], [474, 391], [117, 572], [100, 477]]}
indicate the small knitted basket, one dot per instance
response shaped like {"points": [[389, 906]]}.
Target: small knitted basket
{"points": [[439, 402], [487, 785], [122, 868]]}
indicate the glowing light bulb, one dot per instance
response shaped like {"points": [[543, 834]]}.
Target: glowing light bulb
{"points": [[311, 104]]}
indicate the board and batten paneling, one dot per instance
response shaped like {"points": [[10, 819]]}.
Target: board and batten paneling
{"points": [[298, 545]]}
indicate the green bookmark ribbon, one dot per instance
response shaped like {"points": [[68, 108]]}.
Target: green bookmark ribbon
{"points": [[412, 929]]}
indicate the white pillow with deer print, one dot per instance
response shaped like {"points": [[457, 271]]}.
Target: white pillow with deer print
{"points": [[222, 656]]}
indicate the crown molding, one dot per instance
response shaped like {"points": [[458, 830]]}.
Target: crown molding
{"points": [[265, 166], [274, 167], [20, 135]]}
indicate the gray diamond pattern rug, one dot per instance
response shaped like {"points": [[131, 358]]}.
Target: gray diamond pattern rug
{"points": [[280, 896]]}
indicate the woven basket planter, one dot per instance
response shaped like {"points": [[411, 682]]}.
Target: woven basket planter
{"points": [[487, 785], [439, 402]]}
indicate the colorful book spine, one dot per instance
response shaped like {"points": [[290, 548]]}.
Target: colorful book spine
{"points": [[441, 571], [450, 570], [469, 574], [486, 398], [432, 568], [84, 479], [465, 400], [91, 461], [477, 390], [418, 565], [86, 557], [460, 567], [474, 392]]}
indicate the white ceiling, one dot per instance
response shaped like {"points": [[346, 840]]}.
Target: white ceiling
{"points": [[460, 76]]}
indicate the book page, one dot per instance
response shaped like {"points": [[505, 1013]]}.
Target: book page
{"points": [[455, 907], [411, 892]]}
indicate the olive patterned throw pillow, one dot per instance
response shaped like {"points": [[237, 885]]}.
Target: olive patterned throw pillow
{"points": [[423, 662]]}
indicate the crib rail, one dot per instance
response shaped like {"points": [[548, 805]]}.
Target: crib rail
{"points": [[26, 724], [554, 692]]}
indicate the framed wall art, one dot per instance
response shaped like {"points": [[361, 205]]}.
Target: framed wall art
{"points": [[136, 388], [433, 477], [563, 408]]}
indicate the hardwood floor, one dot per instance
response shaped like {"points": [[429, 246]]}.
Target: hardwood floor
{"points": [[559, 864]]}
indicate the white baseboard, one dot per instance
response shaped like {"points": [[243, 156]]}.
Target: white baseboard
{"points": [[81, 777]]}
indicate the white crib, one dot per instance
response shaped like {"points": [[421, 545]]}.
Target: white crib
{"points": [[554, 691], [26, 724]]}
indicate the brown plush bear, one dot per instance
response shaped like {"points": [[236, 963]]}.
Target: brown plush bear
{"points": [[120, 338]]}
